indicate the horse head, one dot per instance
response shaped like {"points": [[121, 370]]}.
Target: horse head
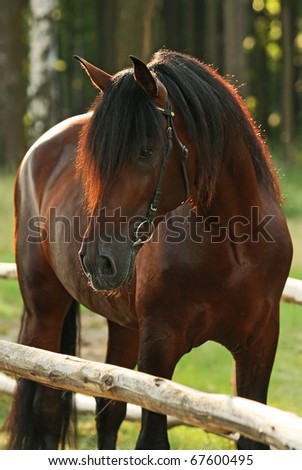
{"points": [[148, 174]]}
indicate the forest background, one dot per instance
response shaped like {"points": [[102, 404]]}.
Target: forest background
{"points": [[256, 43]]}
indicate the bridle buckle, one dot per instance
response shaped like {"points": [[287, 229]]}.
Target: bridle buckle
{"points": [[138, 239]]}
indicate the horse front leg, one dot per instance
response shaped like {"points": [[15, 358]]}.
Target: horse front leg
{"points": [[253, 370], [122, 350], [160, 350]]}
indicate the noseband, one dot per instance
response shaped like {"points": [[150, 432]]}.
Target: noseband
{"points": [[171, 132]]}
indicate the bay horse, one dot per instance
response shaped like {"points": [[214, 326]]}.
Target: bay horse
{"points": [[160, 210]]}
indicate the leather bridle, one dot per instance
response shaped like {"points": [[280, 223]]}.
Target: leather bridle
{"points": [[171, 132]]}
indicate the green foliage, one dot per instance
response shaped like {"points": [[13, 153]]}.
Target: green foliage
{"points": [[99, 30], [290, 179]]}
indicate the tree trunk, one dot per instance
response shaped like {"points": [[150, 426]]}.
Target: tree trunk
{"points": [[287, 83], [12, 142], [105, 30], [134, 27], [234, 31], [43, 80], [208, 33]]}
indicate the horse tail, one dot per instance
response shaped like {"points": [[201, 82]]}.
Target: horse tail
{"points": [[22, 433], [70, 344]]}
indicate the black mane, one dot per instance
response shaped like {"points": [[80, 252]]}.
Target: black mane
{"points": [[212, 112], [124, 119]]}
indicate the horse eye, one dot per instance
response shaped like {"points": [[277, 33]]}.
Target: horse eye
{"points": [[146, 153]]}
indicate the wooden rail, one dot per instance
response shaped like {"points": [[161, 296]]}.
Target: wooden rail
{"points": [[212, 412], [85, 404], [292, 291], [8, 271]]}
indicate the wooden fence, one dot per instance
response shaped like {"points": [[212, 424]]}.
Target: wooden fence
{"points": [[213, 412]]}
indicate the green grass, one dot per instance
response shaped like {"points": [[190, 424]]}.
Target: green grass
{"points": [[295, 228], [6, 218], [208, 368], [290, 181]]}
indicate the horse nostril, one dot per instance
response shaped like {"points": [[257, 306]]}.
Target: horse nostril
{"points": [[107, 266], [83, 264]]}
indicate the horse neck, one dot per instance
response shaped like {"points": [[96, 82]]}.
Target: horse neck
{"points": [[237, 188]]}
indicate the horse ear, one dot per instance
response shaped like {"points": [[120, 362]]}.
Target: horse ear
{"points": [[144, 77], [99, 78]]}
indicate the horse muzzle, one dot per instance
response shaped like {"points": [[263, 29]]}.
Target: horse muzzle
{"points": [[107, 271]]}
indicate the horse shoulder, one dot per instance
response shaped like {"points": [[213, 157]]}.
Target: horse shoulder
{"points": [[49, 156]]}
